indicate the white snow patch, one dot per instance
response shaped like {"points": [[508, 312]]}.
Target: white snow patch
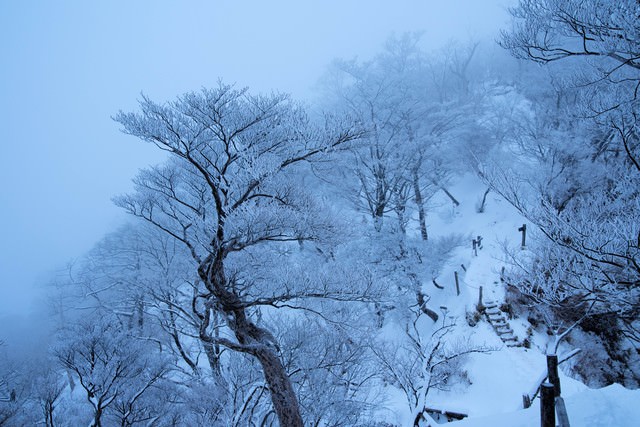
{"points": [[609, 406]]}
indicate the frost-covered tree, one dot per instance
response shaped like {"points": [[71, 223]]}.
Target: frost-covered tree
{"points": [[145, 278], [47, 386], [414, 145], [138, 265], [553, 30], [582, 140], [570, 164], [418, 363], [232, 192], [383, 95], [418, 111], [391, 97], [598, 38], [11, 398], [115, 369]]}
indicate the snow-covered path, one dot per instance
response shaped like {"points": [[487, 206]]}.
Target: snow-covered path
{"points": [[500, 378]]}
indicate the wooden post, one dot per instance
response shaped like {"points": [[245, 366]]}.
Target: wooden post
{"points": [[432, 314], [502, 274], [484, 201], [444, 310], [523, 229], [474, 247], [526, 401], [453, 199], [480, 305], [547, 406], [455, 273], [552, 371], [423, 306], [561, 412]]}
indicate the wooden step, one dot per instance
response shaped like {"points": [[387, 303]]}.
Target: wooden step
{"points": [[494, 312]]}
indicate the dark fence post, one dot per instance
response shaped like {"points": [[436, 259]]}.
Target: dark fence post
{"points": [[552, 371], [523, 229], [547, 406], [432, 314], [455, 273], [480, 305], [423, 306], [444, 310], [526, 401], [474, 247]]}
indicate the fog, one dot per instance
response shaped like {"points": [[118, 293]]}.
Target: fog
{"points": [[184, 243], [67, 67]]}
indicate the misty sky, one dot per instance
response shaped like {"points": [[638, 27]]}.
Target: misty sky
{"points": [[67, 66]]}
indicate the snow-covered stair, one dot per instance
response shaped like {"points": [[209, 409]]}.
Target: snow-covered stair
{"points": [[500, 324]]}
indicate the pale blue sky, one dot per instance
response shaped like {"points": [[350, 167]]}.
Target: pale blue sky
{"points": [[67, 66]]}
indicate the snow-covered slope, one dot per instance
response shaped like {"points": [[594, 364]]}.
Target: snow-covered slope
{"points": [[609, 406], [500, 378]]}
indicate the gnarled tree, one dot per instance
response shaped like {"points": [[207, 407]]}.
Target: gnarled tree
{"points": [[579, 161], [233, 186]]}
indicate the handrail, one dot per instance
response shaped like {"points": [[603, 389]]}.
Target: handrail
{"points": [[528, 397]]}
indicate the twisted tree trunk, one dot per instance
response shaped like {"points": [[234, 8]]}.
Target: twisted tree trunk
{"points": [[252, 340], [420, 204]]}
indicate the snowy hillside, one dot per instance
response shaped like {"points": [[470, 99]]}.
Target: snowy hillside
{"points": [[499, 379]]}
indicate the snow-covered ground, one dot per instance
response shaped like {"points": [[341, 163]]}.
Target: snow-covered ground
{"points": [[609, 406], [500, 378]]}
